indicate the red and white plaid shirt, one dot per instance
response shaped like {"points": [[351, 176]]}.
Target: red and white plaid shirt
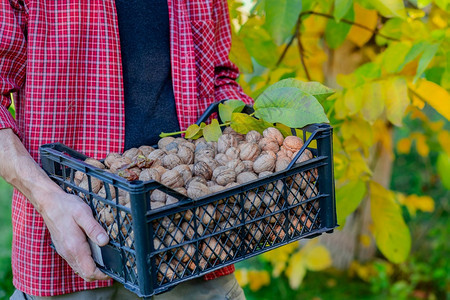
{"points": [[62, 58]]}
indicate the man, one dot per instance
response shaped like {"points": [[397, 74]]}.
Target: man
{"points": [[78, 83]]}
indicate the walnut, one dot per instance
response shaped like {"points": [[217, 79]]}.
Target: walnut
{"points": [[246, 177], [154, 204], [161, 170], [264, 162], [185, 171], [248, 165], [112, 192], [95, 163], [207, 214], [185, 154], [150, 174], [158, 196], [166, 273], [156, 154], [170, 161], [197, 190], [199, 141], [131, 153], [171, 148], [252, 201], [267, 144], [119, 163], [172, 200], [282, 163], [253, 136], [306, 155], [208, 160], [202, 169], [224, 175], [204, 152], [196, 179], [146, 150], [249, 151], [225, 142], [185, 253], [216, 188], [189, 145], [96, 184], [110, 158], [172, 179], [162, 143], [274, 134], [237, 165], [222, 159], [293, 143], [233, 152]]}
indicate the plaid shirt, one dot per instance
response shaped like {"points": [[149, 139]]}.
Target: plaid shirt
{"points": [[62, 59]]}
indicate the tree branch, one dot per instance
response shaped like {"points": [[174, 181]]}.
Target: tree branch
{"points": [[301, 52]]}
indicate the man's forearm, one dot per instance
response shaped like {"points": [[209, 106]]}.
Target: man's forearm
{"points": [[19, 169]]}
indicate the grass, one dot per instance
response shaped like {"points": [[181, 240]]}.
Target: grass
{"points": [[6, 287]]}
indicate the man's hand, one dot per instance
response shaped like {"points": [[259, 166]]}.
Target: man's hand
{"points": [[69, 220], [67, 217]]}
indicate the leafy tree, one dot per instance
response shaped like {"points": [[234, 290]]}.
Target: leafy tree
{"points": [[389, 61]]}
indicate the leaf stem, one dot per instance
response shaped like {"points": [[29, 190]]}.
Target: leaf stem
{"points": [[166, 134]]}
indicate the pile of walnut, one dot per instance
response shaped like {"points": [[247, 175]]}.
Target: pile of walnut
{"points": [[198, 168]]}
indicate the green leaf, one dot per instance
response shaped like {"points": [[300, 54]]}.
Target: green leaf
{"points": [[281, 17], [259, 44], [353, 100], [348, 198], [243, 123], [391, 233], [369, 71], [335, 33], [193, 132], [443, 168], [229, 107], [289, 106], [341, 8], [427, 56], [414, 52], [396, 99], [391, 62], [390, 8], [212, 132], [316, 89]]}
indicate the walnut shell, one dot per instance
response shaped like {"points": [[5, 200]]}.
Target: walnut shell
{"points": [[171, 148], [119, 163], [207, 214], [198, 179], [222, 159], [185, 253], [293, 143], [208, 160], [237, 165], [146, 150], [246, 177], [233, 152], [224, 175], [162, 143], [170, 161], [185, 154], [216, 188], [150, 174], [282, 163], [185, 171], [253, 136], [172, 179], [161, 170], [264, 162], [158, 196], [197, 190], [225, 142], [131, 153], [306, 155], [267, 144], [157, 204], [202, 169], [249, 151], [274, 134], [95, 163], [248, 165], [110, 158], [156, 154]]}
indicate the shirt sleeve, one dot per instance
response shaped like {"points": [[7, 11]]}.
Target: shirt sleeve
{"points": [[225, 71], [12, 57]]}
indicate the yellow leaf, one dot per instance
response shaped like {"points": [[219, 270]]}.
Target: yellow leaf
{"points": [[436, 96], [396, 99], [391, 233], [258, 279], [436, 126], [389, 8], [317, 258], [383, 134], [373, 96], [421, 145], [279, 257], [296, 270], [365, 240], [404, 146], [415, 202], [444, 140], [241, 277], [339, 108], [353, 99], [366, 17]]}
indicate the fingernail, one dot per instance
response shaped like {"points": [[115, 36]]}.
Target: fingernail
{"points": [[102, 239]]}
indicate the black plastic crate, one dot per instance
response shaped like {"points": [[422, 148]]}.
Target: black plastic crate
{"points": [[152, 250]]}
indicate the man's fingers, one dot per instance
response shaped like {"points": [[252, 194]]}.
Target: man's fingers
{"points": [[86, 265], [91, 227]]}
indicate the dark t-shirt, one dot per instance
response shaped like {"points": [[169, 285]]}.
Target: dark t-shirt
{"points": [[145, 46]]}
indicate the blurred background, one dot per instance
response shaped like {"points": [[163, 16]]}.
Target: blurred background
{"points": [[389, 62]]}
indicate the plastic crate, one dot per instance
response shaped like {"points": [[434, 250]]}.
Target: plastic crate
{"points": [[152, 250]]}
